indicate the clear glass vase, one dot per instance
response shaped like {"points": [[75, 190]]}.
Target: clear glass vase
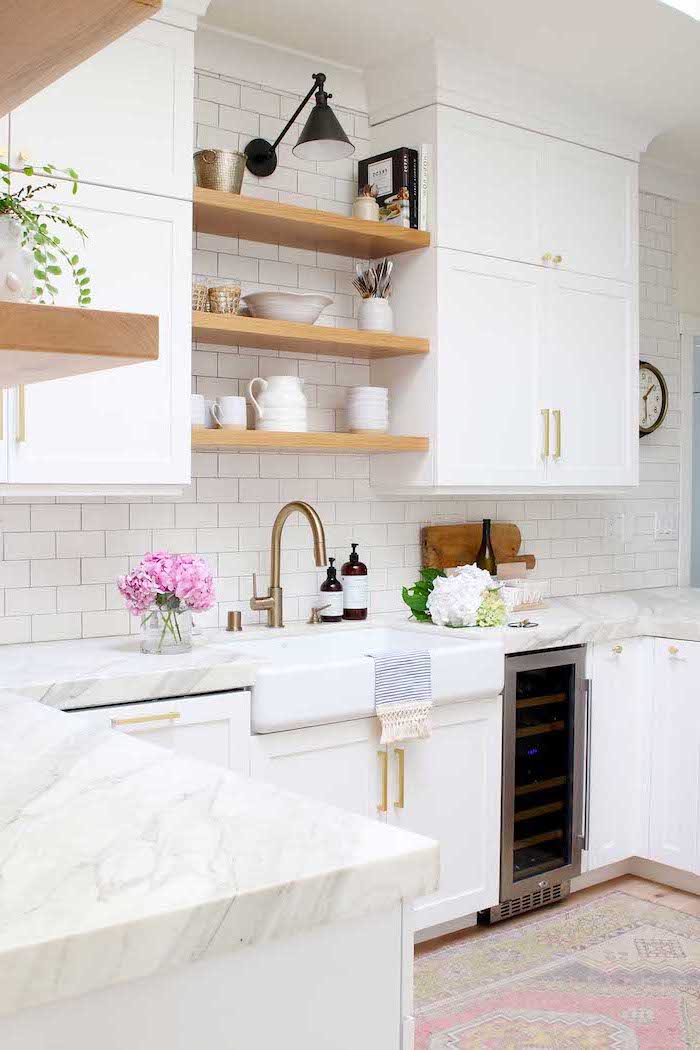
{"points": [[166, 630]]}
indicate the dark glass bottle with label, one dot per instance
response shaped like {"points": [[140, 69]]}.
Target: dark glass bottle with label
{"points": [[355, 589], [486, 559], [332, 593]]}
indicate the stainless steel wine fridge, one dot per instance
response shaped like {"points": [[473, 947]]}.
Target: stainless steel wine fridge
{"points": [[545, 773]]}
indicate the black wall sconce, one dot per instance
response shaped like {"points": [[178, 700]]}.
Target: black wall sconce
{"points": [[321, 139]]}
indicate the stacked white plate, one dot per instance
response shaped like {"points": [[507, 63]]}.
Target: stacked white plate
{"points": [[367, 409]]}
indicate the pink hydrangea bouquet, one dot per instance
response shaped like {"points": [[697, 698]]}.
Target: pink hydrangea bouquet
{"points": [[164, 590]]}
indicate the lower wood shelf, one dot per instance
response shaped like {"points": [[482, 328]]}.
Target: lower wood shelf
{"points": [[38, 343], [204, 439]]}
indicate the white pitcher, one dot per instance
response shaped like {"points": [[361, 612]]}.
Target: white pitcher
{"points": [[280, 405]]}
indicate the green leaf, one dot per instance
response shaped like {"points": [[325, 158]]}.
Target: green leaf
{"points": [[75, 188], [28, 170], [85, 302], [74, 260], [52, 289], [40, 275], [73, 174], [39, 256], [4, 167], [54, 269], [81, 271], [85, 280]]}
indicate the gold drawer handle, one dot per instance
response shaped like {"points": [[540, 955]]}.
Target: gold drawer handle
{"points": [[167, 716], [673, 650], [557, 259], [545, 448], [384, 762], [617, 649], [21, 414], [547, 257], [401, 760], [557, 423]]}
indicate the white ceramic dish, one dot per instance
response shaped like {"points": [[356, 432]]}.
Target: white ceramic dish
{"points": [[286, 306]]}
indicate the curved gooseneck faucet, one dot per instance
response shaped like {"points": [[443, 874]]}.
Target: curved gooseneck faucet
{"points": [[272, 603]]}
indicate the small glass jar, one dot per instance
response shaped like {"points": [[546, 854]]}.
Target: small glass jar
{"points": [[166, 631]]}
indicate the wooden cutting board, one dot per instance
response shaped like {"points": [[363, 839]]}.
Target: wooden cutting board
{"points": [[444, 546]]}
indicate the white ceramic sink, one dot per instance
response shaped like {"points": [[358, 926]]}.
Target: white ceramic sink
{"points": [[328, 675]]}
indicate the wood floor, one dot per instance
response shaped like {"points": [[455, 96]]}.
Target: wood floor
{"points": [[653, 891]]}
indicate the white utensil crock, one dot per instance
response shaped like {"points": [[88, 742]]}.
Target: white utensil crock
{"points": [[281, 404], [375, 315]]}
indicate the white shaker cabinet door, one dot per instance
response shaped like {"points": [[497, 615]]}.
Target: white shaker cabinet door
{"points": [[341, 764], [675, 755], [620, 728], [450, 790], [588, 210], [487, 187], [589, 377], [123, 118], [127, 425], [213, 729], [4, 421], [491, 327]]}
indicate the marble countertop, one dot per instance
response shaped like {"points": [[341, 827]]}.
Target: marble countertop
{"points": [[95, 672], [119, 859]]}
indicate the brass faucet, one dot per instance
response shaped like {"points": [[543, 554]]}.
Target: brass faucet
{"points": [[272, 602]]}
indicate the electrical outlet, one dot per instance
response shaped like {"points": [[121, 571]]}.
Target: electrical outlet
{"points": [[666, 525], [615, 527]]}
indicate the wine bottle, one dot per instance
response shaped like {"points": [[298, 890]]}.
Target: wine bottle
{"points": [[486, 559]]}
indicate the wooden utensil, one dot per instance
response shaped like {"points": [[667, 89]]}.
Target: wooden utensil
{"points": [[445, 546]]}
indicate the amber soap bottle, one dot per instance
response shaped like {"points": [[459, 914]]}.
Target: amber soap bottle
{"points": [[355, 589], [332, 593]]}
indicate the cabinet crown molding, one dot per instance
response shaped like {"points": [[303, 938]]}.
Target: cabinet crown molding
{"points": [[440, 73]]}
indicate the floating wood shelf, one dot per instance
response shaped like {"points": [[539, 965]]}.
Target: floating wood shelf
{"points": [[38, 343], [235, 330], [231, 215], [43, 39], [204, 439]]}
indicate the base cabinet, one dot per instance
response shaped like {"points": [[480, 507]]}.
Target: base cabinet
{"points": [[619, 726], [450, 790], [675, 755], [213, 728]]}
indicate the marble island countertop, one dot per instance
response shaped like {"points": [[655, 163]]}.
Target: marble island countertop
{"points": [[120, 860]]}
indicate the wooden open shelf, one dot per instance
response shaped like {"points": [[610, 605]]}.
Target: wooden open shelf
{"points": [[204, 439], [235, 330], [43, 39], [231, 215], [50, 342]]}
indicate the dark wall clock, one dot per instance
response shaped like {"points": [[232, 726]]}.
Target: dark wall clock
{"points": [[653, 398]]}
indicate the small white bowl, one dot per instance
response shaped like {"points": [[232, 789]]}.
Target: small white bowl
{"points": [[286, 306]]}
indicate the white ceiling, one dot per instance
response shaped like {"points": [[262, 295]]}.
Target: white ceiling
{"points": [[641, 55]]}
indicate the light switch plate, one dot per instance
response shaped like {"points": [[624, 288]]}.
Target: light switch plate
{"points": [[615, 527], [666, 525]]}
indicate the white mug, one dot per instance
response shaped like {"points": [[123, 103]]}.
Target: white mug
{"points": [[201, 410], [230, 413]]}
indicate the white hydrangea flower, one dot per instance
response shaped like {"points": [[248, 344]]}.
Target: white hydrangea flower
{"points": [[455, 600]]}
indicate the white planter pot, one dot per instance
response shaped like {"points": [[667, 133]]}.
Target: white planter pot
{"points": [[281, 404], [375, 315], [16, 264]]}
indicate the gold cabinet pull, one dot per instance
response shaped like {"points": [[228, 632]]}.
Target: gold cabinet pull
{"points": [[545, 445], [21, 414], [384, 763], [547, 257], [166, 716], [401, 766], [617, 649], [557, 259], [557, 422], [673, 650]]}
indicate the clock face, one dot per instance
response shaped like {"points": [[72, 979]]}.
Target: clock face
{"points": [[653, 398]]}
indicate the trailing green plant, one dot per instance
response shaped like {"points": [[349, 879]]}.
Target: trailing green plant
{"points": [[35, 219]]}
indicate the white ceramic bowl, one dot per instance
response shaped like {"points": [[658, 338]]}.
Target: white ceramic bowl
{"points": [[286, 306]]}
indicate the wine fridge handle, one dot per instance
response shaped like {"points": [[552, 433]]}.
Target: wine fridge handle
{"points": [[588, 722]]}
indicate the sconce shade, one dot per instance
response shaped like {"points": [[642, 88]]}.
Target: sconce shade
{"points": [[323, 137]]}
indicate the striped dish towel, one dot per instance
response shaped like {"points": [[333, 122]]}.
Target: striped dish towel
{"points": [[403, 694]]}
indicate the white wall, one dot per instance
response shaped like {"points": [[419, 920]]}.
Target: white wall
{"points": [[60, 557]]}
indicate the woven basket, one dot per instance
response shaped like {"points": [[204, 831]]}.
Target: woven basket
{"points": [[200, 297], [224, 298], [220, 169]]}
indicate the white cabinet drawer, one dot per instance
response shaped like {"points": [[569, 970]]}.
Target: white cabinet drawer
{"points": [[213, 728]]}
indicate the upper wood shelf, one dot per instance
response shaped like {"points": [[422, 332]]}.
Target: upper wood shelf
{"points": [[38, 343], [231, 215], [209, 440], [43, 39], [235, 330]]}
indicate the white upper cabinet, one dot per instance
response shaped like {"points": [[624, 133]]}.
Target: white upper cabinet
{"points": [[487, 187], [587, 210], [491, 335], [515, 194], [588, 381], [127, 425], [123, 118]]}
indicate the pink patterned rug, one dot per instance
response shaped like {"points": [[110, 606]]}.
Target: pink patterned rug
{"points": [[616, 972]]}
